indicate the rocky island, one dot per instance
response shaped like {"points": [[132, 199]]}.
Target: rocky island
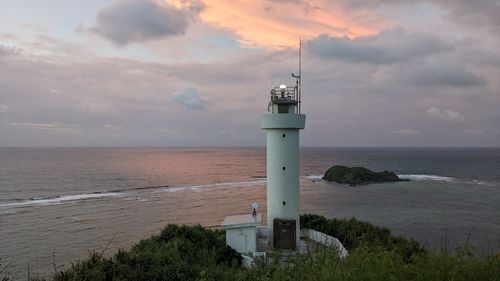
{"points": [[359, 175]]}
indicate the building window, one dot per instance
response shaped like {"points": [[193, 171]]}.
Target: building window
{"points": [[284, 135], [284, 203], [284, 168]]}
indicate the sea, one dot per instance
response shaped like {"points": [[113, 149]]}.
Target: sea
{"points": [[59, 204]]}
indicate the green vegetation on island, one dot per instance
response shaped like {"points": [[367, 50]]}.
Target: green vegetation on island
{"points": [[196, 253], [358, 175]]}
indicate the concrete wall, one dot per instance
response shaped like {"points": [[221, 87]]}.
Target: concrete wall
{"points": [[324, 239]]}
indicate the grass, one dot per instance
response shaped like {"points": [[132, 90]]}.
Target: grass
{"points": [[383, 265], [195, 253], [376, 254]]}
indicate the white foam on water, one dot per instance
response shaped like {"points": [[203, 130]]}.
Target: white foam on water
{"points": [[8, 211], [478, 182], [216, 186], [427, 178], [60, 199], [314, 177], [486, 183], [175, 189]]}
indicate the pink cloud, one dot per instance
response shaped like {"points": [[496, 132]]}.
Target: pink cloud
{"points": [[278, 24]]}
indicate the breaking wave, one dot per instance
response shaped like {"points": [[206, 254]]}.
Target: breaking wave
{"points": [[47, 201], [60, 199], [216, 185], [479, 182], [427, 178], [314, 177]]}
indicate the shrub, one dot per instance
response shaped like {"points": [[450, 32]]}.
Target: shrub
{"points": [[354, 233], [178, 253]]}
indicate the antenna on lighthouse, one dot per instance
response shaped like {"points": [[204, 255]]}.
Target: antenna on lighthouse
{"points": [[298, 82], [300, 70]]}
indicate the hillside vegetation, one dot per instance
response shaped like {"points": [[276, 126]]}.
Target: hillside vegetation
{"points": [[196, 253], [178, 253]]}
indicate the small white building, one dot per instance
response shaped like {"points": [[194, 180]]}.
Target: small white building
{"points": [[241, 232]]}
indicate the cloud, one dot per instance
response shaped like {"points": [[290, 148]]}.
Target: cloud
{"points": [[227, 132], [3, 108], [477, 12], [447, 75], [391, 46], [334, 91], [3, 51], [437, 73], [189, 98], [474, 131], [113, 127], [7, 51], [279, 24], [127, 21], [405, 132], [447, 114], [47, 126], [95, 107]]}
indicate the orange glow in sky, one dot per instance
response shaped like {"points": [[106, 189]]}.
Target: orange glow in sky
{"points": [[278, 24]]}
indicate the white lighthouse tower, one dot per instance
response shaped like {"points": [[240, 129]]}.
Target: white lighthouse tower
{"points": [[282, 125], [244, 232]]}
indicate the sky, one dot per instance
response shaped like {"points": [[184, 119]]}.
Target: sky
{"points": [[199, 72]]}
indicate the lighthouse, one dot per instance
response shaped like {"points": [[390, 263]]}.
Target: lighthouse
{"points": [[244, 232], [282, 124]]}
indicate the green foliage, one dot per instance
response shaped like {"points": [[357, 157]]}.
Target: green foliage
{"points": [[178, 253], [354, 233], [358, 175], [383, 265], [194, 253]]}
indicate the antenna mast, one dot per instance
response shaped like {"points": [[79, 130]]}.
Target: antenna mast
{"points": [[298, 83], [300, 69]]}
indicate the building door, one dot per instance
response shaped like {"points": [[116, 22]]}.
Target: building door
{"points": [[284, 233]]}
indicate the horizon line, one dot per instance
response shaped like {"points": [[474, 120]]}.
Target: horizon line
{"points": [[249, 146]]}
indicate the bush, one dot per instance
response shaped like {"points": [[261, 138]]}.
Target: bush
{"points": [[354, 233], [178, 253]]}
